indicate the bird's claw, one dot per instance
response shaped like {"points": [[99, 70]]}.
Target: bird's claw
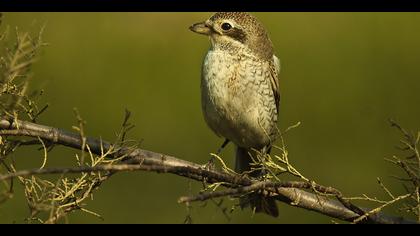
{"points": [[210, 165]]}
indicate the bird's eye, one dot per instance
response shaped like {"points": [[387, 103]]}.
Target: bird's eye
{"points": [[226, 26]]}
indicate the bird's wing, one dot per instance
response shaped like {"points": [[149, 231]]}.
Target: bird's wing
{"points": [[274, 80]]}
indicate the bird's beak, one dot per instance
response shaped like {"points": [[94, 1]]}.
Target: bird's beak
{"points": [[201, 28]]}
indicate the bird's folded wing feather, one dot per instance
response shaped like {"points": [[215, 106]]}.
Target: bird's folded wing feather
{"points": [[274, 81]]}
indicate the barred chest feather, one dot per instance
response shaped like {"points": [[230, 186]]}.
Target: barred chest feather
{"points": [[237, 100]]}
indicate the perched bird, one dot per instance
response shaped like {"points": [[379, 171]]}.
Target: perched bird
{"points": [[240, 92]]}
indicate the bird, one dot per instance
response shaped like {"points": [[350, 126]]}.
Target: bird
{"points": [[240, 92]]}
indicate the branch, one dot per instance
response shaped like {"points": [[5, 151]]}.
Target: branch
{"points": [[144, 160], [262, 185]]}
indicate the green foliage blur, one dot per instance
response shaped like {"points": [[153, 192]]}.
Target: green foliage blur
{"points": [[343, 76]]}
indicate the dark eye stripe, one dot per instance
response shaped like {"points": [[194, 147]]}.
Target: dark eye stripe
{"points": [[237, 34]]}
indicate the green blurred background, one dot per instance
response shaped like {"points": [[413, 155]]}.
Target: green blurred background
{"points": [[343, 75]]}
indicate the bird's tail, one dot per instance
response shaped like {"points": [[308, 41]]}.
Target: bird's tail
{"points": [[254, 200]]}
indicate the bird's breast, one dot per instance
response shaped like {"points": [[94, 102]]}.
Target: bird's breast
{"points": [[233, 98], [224, 84]]}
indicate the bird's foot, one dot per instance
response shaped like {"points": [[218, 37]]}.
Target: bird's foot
{"points": [[210, 165]]}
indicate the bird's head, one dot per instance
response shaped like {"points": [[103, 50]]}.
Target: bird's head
{"points": [[234, 30]]}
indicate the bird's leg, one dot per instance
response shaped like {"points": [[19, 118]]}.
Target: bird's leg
{"points": [[225, 143], [210, 163], [265, 151]]}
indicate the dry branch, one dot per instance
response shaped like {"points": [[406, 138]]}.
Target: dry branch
{"points": [[139, 159]]}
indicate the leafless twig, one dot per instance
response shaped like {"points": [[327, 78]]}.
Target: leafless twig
{"points": [[139, 159]]}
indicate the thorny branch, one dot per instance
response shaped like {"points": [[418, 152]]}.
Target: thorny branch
{"points": [[411, 167], [139, 159]]}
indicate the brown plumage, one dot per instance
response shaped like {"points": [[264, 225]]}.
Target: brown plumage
{"points": [[256, 36], [240, 94]]}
